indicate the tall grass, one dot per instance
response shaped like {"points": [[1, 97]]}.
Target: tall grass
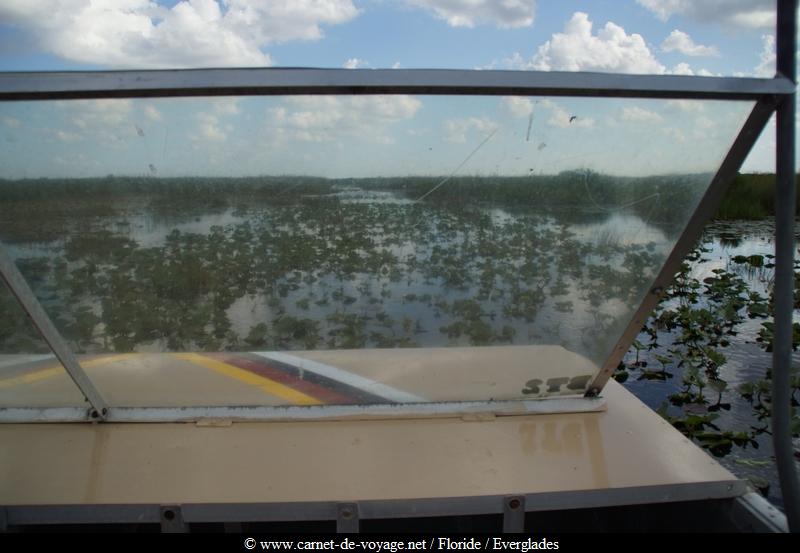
{"points": [[751, 196]]}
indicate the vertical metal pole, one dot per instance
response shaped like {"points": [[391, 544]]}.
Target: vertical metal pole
{"points": [[19, 287], [784, 265]]}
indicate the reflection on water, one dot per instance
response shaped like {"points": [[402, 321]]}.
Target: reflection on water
{"points": [[311, 265]]}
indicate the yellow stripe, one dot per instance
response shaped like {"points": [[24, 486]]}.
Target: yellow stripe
{"points": [[270, 386], [50, 372]]}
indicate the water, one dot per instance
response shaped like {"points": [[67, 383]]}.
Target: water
{"points": [[348, 269], [728, 246]]}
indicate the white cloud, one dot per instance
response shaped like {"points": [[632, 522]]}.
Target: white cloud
{"points": [[107, 120], [682, 68], [328, 118], [456, 130], [675, 134], [559, 117], [143, 34], [704, 123], [517, 106], [739, 13], [152, 113], [611, 49], [66, 136], [11, 122], [354, 63], [635, 114], [225, 106], [705, 128], [689, 106], [208, 128], [678, 41], [469, 13], [211, 123], [766, 67]]}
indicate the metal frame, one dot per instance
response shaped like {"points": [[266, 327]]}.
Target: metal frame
{"points": [[785, 192], [753, 513], [279, 81], [373, 509], [768, 93], [469, 410]]}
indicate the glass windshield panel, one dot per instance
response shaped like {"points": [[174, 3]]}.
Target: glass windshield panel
{"points": [[30, 375], [349, 249]]}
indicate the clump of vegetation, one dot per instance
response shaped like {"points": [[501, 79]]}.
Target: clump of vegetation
{"points": [[751, 197], [687, 336]]}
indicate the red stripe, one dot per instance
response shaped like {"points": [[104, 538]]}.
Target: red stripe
{"points": [[326, 395]]}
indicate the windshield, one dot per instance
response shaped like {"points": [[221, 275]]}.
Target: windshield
{"points": [[309, 250]]}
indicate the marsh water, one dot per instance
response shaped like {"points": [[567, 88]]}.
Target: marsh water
{"points": [[343, 267], [732, 273], [352, 265]]}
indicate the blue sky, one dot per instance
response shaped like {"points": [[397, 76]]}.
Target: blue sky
{"points": [[380, 135]]}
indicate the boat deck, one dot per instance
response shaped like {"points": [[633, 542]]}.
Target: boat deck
{"points": [[300, 378], [231, 470]]}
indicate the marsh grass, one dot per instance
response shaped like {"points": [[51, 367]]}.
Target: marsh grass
{"points": [[751, 197]]}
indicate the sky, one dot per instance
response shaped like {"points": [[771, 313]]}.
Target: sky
{"points": [[381, 135]]}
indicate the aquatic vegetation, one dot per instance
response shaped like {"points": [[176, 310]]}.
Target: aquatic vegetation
{"points": [[766, 336], [462, 273], [683, 356]]}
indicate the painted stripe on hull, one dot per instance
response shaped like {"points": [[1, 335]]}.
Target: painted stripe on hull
{"points": [[50, 372], [287, 377], [335, 373], [26, 359], [357, 395], [294, 397]]}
